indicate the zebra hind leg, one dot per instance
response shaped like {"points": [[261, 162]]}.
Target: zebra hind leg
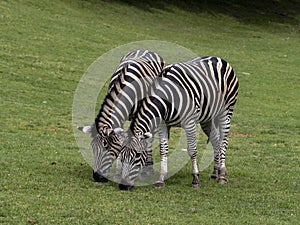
{"points": [[213, 135], [222, 176], [215, 174], [224, 130], [219, 175]]}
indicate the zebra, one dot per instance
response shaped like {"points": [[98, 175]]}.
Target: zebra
{"points": [[128, 85], [203, 90]]}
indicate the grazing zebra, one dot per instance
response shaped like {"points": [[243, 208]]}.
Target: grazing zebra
{"points": [[203, 90], [129, 84]]}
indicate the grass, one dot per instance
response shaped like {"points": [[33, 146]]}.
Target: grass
{"points": [[46, 46]]}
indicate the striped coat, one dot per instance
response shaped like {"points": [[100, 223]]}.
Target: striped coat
{"points": [[129, 84], [203, 90]]}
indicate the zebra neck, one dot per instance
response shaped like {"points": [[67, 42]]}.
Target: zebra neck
{"points": [[112, 116], [147, 120], [113, 113]]}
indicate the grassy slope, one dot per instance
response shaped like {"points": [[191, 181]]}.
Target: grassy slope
{"points": [[46, 46]]}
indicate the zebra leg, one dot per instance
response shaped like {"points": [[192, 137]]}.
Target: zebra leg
{"points": [[224, 130], [214, 138], [148, 169], [191, 132], [163, 133]]}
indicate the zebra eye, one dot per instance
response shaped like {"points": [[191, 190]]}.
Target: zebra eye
{"points": [[139, 133], [104, 143]]}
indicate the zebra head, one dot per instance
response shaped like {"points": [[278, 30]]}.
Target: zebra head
{"points": [[106, 146], [133, 157]]}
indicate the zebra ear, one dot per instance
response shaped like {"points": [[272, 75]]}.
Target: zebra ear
{"points": [[147, 135], [124, 70], [106, 131], [85, 129]]}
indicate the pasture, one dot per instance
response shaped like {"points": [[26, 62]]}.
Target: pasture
{"points": [[46, 47]]}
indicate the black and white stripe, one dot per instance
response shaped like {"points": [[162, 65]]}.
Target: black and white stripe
{"points": [[129, 84], [203, 90]]}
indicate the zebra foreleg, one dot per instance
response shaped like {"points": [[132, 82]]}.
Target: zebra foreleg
{"points": [[163, 163], [196, 181], [191, 132], [148, 169], [163, 133]]}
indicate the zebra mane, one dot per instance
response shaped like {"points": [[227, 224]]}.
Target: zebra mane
{"points": [[128, 85]]}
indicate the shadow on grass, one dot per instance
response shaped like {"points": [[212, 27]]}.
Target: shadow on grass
{"points": [[254, 12]]}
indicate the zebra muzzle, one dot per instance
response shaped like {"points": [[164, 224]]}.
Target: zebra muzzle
{"points": [[99, 178]]}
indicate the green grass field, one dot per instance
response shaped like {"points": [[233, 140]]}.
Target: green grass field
{"points": [[46, 47]]}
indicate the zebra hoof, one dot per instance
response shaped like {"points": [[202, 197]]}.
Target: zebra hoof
{"points": [[222, 180], [196, 185], [196, 181], [99, 178], [214, 177], [159, 184]]}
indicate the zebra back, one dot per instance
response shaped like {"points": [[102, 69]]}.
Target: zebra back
{"points": [[146, 57], [199, 89]]}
